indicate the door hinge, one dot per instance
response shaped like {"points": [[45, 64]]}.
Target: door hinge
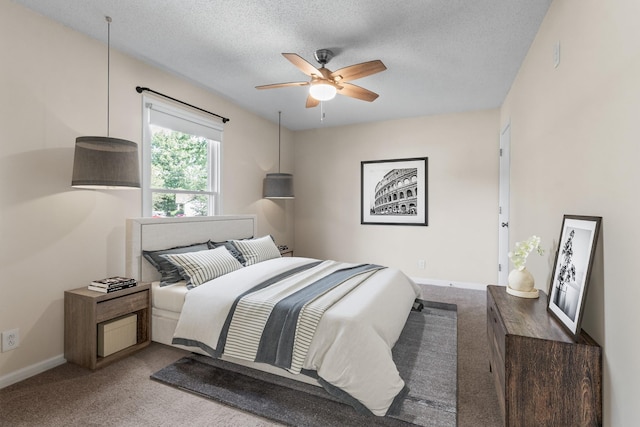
{"points": [[499, 267], [501, 152]]}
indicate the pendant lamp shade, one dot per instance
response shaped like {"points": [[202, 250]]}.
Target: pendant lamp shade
{"points": [[107, 163], [103, 162], [278, 185]]}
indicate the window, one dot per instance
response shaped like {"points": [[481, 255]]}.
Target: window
{"points": [[180, 162]]}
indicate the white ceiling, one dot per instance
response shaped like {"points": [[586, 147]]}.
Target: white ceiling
{"points": [[442, 56]]}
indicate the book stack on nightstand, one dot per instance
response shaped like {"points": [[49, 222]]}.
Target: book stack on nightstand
{"points": [[112, 284], [285, 251]]}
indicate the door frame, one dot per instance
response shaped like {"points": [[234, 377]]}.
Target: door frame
{"points": [[503, 203]]}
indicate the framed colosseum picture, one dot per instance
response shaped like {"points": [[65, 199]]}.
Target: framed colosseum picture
{"points": [[394, 192]]}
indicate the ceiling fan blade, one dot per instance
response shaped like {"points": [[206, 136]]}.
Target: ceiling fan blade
{"points": [[357, 92], [276, 85], [302, 64], [358, 71], [312, 102]]}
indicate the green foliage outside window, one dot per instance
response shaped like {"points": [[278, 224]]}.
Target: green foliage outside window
{"points": [[179, 162]]}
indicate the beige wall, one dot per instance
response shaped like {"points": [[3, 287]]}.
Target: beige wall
{"points": [[575, 146], [53, 237], [458, 245]]}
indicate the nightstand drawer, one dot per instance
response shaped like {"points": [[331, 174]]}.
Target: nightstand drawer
{"points": [[107, 310]]}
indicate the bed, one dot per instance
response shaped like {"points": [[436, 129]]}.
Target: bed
{"points": [[340, 337]]}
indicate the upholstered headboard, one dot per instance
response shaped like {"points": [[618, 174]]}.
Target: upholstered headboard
{"points": [[163, 233]]}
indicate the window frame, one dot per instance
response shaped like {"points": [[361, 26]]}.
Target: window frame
{"points": [[214, 154]]}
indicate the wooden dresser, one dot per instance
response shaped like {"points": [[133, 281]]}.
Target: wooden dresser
{"points": [[542, 376]]}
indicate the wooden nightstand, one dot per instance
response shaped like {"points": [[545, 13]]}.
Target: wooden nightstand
{"points": [[285, 250], [85, 309]]}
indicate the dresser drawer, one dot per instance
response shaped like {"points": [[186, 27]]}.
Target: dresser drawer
{"points": [[498, 369], [110, 309], [496, 335], [495, 325]]}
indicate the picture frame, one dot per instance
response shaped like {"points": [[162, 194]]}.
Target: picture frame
{"points": [[394, 192], [572, 270]]}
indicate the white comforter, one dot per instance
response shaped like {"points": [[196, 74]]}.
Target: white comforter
{"points": [[351, 349]]}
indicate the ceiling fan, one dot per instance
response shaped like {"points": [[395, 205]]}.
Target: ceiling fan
{"points": [[324, 83]]}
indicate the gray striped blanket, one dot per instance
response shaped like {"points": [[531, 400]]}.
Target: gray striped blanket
{"points": [[332, 321], [275, 321]]}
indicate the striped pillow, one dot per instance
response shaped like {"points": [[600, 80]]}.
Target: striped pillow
{"points": [[168, 271], [202, 266], [257, 250]]}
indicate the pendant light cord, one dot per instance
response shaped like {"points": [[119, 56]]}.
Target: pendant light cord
{"points": [[279, 115], [108, 19]]}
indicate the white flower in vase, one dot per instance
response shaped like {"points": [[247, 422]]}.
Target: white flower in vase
{"points": [[521, 281]]}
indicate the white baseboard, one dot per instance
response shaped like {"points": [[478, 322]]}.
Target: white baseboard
{"points": [[437, 282], [29, 371]]}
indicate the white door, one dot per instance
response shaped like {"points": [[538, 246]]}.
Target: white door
{"points": [[503, 208]]}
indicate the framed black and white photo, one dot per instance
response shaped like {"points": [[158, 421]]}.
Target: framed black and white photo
{"points": [[394, 192], [572, 269]]}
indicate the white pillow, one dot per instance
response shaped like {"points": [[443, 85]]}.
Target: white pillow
{"points": [[257, 250], [203, 266]]}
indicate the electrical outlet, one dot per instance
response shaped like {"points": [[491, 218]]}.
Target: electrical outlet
{"points": [[421, 264], [10, 339]]}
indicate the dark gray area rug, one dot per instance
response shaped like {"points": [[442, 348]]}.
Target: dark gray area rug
{"points": [[425, 354]]}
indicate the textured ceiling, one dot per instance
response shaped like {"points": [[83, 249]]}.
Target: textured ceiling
{"points": [[442, 56]]}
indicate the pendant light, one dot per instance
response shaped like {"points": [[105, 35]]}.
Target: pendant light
{"points": [[103, 162], [278, 185]]}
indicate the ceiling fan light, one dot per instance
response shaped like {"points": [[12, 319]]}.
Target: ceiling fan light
{"points": [[322, 91]]}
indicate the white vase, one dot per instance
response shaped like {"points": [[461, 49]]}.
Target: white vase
{"points": [[521, 284]]}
